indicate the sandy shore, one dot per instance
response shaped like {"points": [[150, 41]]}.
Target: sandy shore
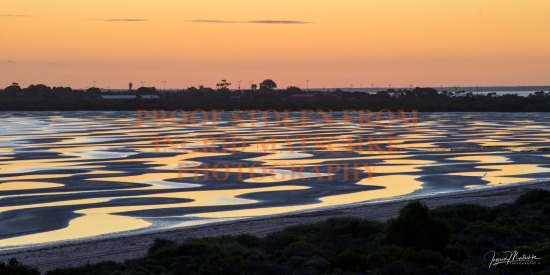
{"points": [[133, 246]]}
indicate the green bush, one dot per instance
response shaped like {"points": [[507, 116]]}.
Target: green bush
{"points": [[416, 228], [15, 267], [249, 240], [161, 245], [462, 214], [349, 260], [533, 197]]}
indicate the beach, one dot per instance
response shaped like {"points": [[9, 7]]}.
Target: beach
{"points": [[77, 253], [133, 131], [73, 195]]}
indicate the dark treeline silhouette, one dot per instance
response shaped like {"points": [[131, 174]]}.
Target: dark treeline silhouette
{"points": [[41, 97]]}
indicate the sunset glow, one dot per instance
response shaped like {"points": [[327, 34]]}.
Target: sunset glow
{"points": [[330, 43]]}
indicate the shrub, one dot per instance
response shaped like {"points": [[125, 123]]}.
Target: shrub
{"points": [[416, 228], [349, 260], [15, 267], [161, 245], [533, 197]]}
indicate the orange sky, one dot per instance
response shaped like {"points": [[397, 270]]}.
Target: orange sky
{"points": [[331, 43]]}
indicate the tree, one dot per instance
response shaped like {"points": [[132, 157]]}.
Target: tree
{"points": [[415, 227], [294, 89], [146, 90], [223, 85], [254, 87], [537, 94], [63, 92], [268, 85], [93, 93], [39, 90], [12, 90], [425, 92]]}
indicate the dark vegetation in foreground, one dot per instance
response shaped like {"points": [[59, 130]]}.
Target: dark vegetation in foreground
{"points": [[448, 240], [43, 98]]}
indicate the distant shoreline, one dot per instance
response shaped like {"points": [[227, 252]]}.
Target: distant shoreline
{"points": [[77, 253], [453, 99]]}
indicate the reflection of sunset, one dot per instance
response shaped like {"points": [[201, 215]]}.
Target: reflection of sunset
{"points": [[114, 172], [393, 186], [483, 158], [26, 185], [85, 226], [89, 224], [506, 174]]}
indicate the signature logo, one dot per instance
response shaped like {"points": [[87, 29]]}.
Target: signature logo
{"points": [[511, 258]]}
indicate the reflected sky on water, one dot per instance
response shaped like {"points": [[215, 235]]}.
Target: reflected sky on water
{"points": [[70, 175]]}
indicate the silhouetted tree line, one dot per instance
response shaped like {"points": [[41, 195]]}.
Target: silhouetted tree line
{"points": [[42, 97]]}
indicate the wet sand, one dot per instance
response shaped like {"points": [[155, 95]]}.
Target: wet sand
{"points": [[74, 175], [91, 186], [76, 253]]}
